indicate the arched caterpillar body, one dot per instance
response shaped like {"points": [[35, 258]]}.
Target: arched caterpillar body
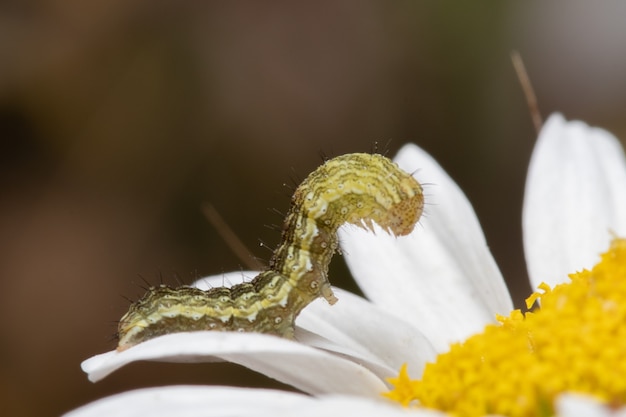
{"points": [[354, 188]]}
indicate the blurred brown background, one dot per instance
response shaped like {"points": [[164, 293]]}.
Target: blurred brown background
{"points": [[118, 119]]}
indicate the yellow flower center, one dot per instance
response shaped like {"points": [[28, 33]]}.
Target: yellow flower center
{"points": [[576, 342]]}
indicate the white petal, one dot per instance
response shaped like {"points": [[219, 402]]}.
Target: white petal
{"points": [[308, 369], [578, 405], [354, 328], [575, 196], [227, 279], [183, 401], [358, 407], [188, 401], [370, 333], [442, 277]]}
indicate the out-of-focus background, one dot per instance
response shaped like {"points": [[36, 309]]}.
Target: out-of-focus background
{"points": [[118, 119]]}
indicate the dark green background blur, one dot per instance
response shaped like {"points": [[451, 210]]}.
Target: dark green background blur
{"points": [[118, 119]]}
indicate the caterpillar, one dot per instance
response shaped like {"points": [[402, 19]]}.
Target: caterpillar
{"points": [[355, 188]]}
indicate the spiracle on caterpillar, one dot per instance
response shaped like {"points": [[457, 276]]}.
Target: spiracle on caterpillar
{"points": [[355, 188]]}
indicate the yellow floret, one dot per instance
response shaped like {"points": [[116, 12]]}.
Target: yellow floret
{"points": [[576, 342]]}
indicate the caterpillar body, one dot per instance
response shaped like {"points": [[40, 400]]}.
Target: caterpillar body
{"points": [[356, 188]]}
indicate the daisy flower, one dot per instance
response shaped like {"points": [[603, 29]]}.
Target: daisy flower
{"points": [[437, 308]]}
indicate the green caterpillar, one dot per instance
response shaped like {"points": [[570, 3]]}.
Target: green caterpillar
{"points": [[356, 188]]}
